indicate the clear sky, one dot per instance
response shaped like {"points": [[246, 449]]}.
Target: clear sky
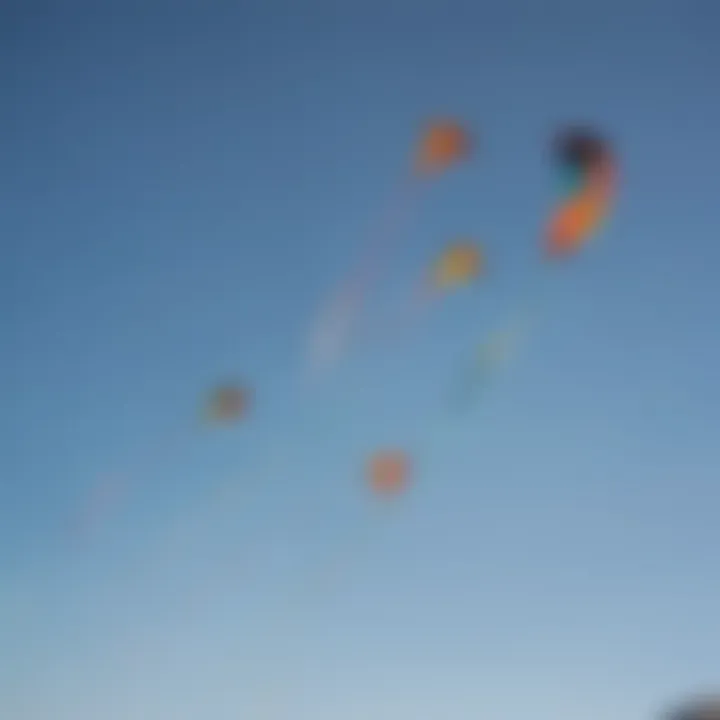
{"points": [[181, 184]]}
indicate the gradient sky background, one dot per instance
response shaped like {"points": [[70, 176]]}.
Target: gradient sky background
{"points": [[182, 184]]}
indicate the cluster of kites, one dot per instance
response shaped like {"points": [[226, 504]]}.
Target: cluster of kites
{"points": [[586, 172], [586, 175]]}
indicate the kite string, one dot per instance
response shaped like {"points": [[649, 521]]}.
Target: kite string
{"points": [[392, 222], [357, 543], [383, 242], [127, 480], [411, 311]]}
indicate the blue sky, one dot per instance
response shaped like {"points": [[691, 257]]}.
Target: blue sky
{"points": [[182, 184]]}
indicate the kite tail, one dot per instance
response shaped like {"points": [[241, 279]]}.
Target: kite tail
{"points": [[337, 573], [336, 327], [409, 314], [106, 498]]}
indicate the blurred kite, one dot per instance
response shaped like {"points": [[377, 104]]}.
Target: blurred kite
{"points": [[227, 404], [579, 148], [442, 145], [389, 472], [588, 170], [459, 265]]}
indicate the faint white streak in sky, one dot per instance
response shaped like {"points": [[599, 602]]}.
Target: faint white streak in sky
{"points": [[104, 499], [333, 329], [332, 332]]}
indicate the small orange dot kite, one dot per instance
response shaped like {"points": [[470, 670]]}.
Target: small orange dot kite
{"points": [[388, 472], [443, 144], [227, 404]]}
